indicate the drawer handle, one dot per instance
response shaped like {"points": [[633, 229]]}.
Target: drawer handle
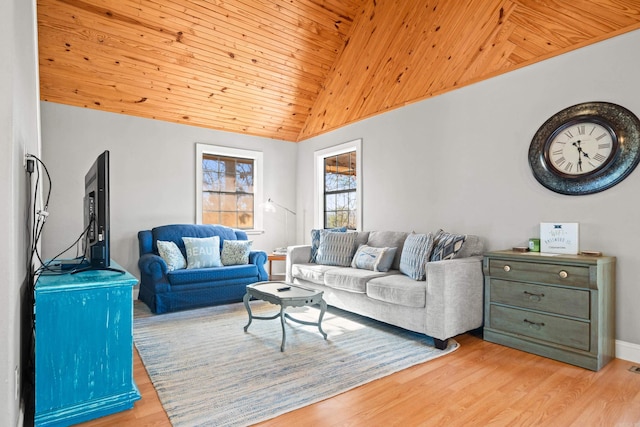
{"points": [[506, 268], [534, 325], [534, 297], [563, 274]]}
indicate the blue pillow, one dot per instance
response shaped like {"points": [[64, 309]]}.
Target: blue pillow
{"points": [[336, 248], [415, 253], [315, 240], [202, 252], [372, 258], [236, 252]]}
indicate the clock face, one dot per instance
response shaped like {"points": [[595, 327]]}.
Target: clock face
{"points": [[581, 147], [586, 148]]}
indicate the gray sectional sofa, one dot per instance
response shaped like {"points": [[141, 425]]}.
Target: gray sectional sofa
{"points": [[440, 294]]}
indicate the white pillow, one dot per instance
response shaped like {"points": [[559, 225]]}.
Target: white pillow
{"points": [[171, 254]]}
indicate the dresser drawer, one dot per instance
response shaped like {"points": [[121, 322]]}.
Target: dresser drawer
{"points": [[568, 275], [552, 299], [558, 330]]}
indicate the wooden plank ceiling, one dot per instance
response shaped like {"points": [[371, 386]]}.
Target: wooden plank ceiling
{"points": [[293, 69]]}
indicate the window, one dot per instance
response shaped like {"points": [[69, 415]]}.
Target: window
{"points": [[227, 182], [338, 186]]}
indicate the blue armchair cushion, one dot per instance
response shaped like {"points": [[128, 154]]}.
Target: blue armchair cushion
{"points": [[236, 252], [171, 254], [202, 252], [208, 275]]}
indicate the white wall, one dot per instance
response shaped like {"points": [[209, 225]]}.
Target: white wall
{"points": [[19, 134], [152, 176], [459, 162]]}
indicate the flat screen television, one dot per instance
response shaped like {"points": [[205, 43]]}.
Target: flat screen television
{"points": [[96, 213]]}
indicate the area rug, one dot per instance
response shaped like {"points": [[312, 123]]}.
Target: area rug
{"points": [[209, 372]]}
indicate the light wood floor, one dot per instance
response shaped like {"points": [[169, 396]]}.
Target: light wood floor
{"points": [[480, 384]]}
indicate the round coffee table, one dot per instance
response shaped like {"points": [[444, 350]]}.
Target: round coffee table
{"points": [[285, 295]]}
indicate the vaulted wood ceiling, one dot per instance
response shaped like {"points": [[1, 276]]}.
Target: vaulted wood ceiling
{"points": [[292, 69]]}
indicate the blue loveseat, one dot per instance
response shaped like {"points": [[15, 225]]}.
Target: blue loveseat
{"points": [[164, 291]]}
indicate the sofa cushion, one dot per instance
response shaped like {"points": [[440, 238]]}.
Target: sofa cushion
{"points": [[336, 248], [171, 254], [447, 245], [175, 233], [315, 240], [235, 252], [352, 279], [391, 239], [310, 272], [375, 259], [398, 289], [415, 254], [473, 246], [204, 276], [202, 252]]}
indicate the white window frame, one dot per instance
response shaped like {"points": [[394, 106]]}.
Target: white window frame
{"points": [[258, 161], [320, 156]]}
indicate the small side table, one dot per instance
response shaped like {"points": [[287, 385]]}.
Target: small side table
{"points": [[275, 257], [289, 296]]}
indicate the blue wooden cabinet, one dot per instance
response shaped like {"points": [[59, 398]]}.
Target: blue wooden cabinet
{"points": [[83, 346]]}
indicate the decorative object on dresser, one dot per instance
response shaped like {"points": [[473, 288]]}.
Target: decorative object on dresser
{"points": [[559, 237], [557, 306], [586, 148]]}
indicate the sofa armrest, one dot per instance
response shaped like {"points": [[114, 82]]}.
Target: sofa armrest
{"points": [[454, 296], [300, 254], [259, 258], [145, 242], [152, 266]]}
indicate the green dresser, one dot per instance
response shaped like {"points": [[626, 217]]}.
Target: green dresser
{"points": [[557, 306]]}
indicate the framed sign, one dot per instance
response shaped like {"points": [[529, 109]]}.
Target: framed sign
{"points": [[559, 237]]}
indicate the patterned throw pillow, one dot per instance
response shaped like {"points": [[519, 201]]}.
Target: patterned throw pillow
{"points": [[415, 254], [447, 246], [336, 248], [202, 252], [236, 252], [375, 259], [171, 254], [315, 240]]}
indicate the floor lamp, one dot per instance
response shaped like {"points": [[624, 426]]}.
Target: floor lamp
{"points": [[270, 206]]}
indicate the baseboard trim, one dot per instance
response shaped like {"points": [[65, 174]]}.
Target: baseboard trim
{"points": [[628, 351]]}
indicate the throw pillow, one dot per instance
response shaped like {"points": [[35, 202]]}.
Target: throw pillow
{"points": [[447, 246], [336, 248], [171, 254], [202, 252], [415, 254], [315, 240], [375, 259], [236, 252]]}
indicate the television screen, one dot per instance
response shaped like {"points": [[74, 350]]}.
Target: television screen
{"points": [[96, 213]]}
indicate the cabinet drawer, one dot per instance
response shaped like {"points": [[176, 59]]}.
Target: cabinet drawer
{"points": [[568, 275], [571, 333], [569, 302]]}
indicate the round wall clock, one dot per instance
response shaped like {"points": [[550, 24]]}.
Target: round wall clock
{"points": [[586, 148]]}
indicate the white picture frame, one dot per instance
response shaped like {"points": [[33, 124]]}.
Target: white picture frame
{"points": [[559, 237]]}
